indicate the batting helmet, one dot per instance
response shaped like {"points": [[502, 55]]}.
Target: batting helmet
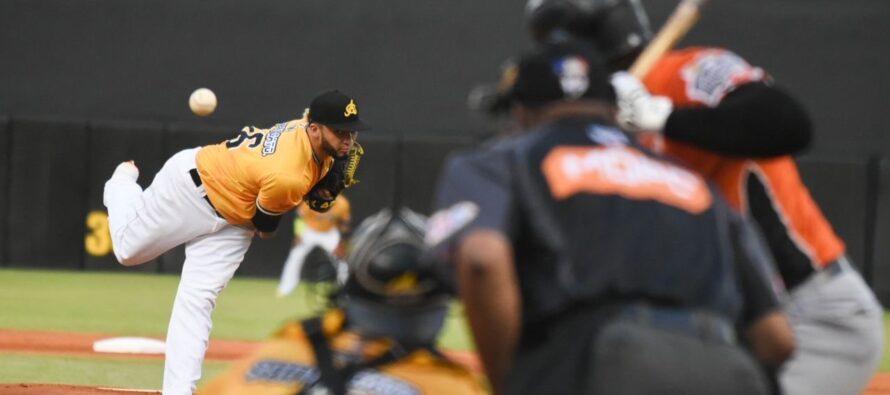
{"points": [[618, 28], [390, 291]]}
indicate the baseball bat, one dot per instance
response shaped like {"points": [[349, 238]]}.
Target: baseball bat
{"points": [[677, 25]]}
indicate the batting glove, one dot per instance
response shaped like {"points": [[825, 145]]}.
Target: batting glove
{"points": [[639, 110]]}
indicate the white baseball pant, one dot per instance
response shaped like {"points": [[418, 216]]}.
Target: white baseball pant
{"points": [[170, 212]]}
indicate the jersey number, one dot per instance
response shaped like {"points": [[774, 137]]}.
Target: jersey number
{"points": [[97, 241], [242, 137]]}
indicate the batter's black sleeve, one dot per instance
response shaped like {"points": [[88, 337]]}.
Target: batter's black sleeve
{"points": [[756, 120]]}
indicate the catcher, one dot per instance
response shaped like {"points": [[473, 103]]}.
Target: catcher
{"points": [[379, 339], [215, 198]]}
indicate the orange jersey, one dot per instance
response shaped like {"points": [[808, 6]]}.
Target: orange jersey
{"points": [[284, 364], [702, 77], [267, 168], [323, 222], [807, 227]]}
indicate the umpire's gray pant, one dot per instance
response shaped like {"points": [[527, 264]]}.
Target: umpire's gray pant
{"points": [[632, 358]]}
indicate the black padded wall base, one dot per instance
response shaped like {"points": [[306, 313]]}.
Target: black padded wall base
{"points": [[47, 193], [111, 143]]}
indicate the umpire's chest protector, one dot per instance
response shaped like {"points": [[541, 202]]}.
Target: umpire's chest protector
{"points": [[598, 216]]}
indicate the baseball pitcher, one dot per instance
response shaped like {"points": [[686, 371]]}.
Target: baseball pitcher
{"points": [[215, 198]]}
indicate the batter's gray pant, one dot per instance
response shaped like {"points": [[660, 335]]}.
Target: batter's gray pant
{"points": [[838, 327]]}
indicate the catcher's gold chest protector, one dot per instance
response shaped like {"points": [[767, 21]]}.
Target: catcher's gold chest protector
{"points": [[286, 364]]}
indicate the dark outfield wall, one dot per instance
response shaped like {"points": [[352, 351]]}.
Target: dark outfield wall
{"points": [[411, 62], [52, 175], [51, 212], [90, 83]]}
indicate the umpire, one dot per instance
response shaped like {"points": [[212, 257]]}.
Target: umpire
{"points": [[589, 265]]}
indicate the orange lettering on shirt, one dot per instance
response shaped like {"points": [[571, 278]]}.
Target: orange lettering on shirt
{"points": [[626, 172]]}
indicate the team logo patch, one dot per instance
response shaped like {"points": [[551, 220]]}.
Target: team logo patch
{"points": [[366, 382], [404, 284], [351, 109], [606, 135], [374, 383], [267, 370], [715, 73], [445, 223], [623, 171], [508, 78], [572, 74]]}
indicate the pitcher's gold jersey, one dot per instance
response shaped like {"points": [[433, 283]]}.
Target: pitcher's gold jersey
{"points": [[267, 169]]}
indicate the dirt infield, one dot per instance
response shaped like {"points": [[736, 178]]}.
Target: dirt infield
{"points": [[56, 389], [82, 344]]}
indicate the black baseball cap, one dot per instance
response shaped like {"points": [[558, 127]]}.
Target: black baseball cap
{"points": [[336, 110], [560, 71]]}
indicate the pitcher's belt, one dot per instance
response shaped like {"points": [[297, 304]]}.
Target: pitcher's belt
{"points": [[196, 178]]}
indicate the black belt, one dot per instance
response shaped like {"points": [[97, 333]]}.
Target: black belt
{"points": [[699, 324], [794, 279], [839, 266], [196, 178]]}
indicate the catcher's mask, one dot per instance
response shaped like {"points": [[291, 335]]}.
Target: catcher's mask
{"points": [[390, 291], [618, 28]]}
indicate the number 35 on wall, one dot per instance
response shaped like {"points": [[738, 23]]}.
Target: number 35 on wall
{"points": [[97, 241]]}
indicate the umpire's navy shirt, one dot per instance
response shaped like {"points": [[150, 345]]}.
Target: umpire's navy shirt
{"points": [[594, 217]]}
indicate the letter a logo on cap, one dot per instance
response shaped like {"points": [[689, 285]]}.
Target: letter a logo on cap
{"points": [[351, 109]]}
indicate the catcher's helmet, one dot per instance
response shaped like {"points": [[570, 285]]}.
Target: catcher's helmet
{"points": [[318, 266], [618, 28], [390, 291]]}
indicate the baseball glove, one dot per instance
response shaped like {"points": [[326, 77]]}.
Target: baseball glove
{"points": [[340, 177]]}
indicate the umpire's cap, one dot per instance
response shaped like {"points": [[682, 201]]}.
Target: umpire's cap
{"points": [[337, 111], [390, 291], [567, 70]]}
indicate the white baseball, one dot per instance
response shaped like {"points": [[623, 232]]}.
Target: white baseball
{"points": [[202, 102]]}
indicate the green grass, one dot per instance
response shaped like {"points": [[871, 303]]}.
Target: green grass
{"points": [[92, 371], [138, 304], [133, 304], [885, 359]]}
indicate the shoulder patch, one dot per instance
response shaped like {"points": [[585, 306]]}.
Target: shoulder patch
{"points": [[447, 222], [714, 73], [606, 135]]}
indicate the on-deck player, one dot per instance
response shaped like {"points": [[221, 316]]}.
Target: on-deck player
{"points": [[311, 229]]}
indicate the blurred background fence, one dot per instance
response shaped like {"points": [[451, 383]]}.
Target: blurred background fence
{"points": [[52, 213], [51, 202], [86, 84]]}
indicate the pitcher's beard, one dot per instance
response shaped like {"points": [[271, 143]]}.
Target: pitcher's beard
{"points": [[330, 150]]}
